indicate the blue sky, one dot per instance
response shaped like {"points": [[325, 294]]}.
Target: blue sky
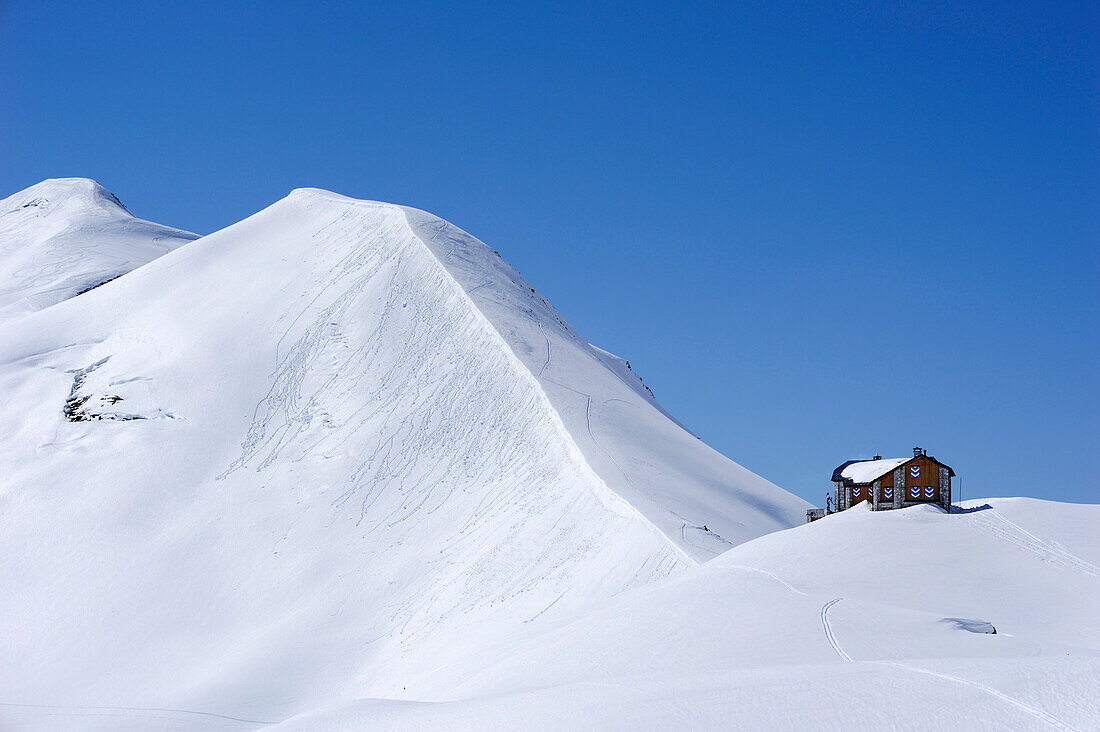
{"points": [[817, 232]]}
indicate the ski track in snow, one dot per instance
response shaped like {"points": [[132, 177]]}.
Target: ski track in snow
{"points": [[101, 709], [588, 424], [1033, 711], [766, 573], [547, 364], [998, 525], [1040, 714], [626, 476], [829, 629]]}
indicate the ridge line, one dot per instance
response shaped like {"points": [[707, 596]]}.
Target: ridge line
{"points": [[534, 382]]}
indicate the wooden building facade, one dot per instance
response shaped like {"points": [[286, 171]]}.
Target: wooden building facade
{"points": [[889, 483]]}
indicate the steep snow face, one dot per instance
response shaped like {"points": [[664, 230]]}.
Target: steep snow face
{"points": [[288, 462], [701, 500], [66, 235]]}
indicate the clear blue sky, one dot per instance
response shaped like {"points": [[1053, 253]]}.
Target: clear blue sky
{"points": [[817, 233]]}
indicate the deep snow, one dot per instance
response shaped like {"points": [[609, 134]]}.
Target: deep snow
{"points": [[339, 465]]}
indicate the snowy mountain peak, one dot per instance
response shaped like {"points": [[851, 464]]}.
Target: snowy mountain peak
{"points": [[314, 394], [700, 500], [64, 236], [72, 194]]}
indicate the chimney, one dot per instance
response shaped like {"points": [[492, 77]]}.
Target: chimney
{"points": [[918, 452], [877, 457]]}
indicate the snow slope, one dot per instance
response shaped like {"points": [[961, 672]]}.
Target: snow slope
{"points": [[339, 467], [859, 621], [65, 235], [308, 458], [636, 447]]}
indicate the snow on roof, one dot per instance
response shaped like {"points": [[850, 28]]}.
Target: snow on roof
{"points": [[867, 470]]}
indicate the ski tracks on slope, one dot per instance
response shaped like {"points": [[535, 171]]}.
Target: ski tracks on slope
{"points": [[993, 522], [766, 573], [120, 712], [1039, 714], [1033, 711], [548, 356], [829, 636], [588, 425]]}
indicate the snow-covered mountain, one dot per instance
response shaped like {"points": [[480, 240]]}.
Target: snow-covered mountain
{"points": [[66, 235], [320, 452], [340, 466]]}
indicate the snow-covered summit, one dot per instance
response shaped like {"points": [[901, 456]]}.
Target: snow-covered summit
{"points": [[336, 420], [63, 236], [701, 500], [73, 193]]}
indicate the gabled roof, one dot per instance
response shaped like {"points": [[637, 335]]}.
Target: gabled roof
{"points": [[840, 468], [867, 471]]}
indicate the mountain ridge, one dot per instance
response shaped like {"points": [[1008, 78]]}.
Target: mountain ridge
{"points": [[475, 268], [313, 419]]}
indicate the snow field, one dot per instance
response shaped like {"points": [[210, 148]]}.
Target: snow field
{"points": [[338, 466]]}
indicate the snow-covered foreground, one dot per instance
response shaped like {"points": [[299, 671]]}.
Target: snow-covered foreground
{"points": [[859, 621], [339, 467]]}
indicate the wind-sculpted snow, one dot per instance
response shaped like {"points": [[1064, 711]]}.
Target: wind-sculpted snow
{"points": [[65, 236]]}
